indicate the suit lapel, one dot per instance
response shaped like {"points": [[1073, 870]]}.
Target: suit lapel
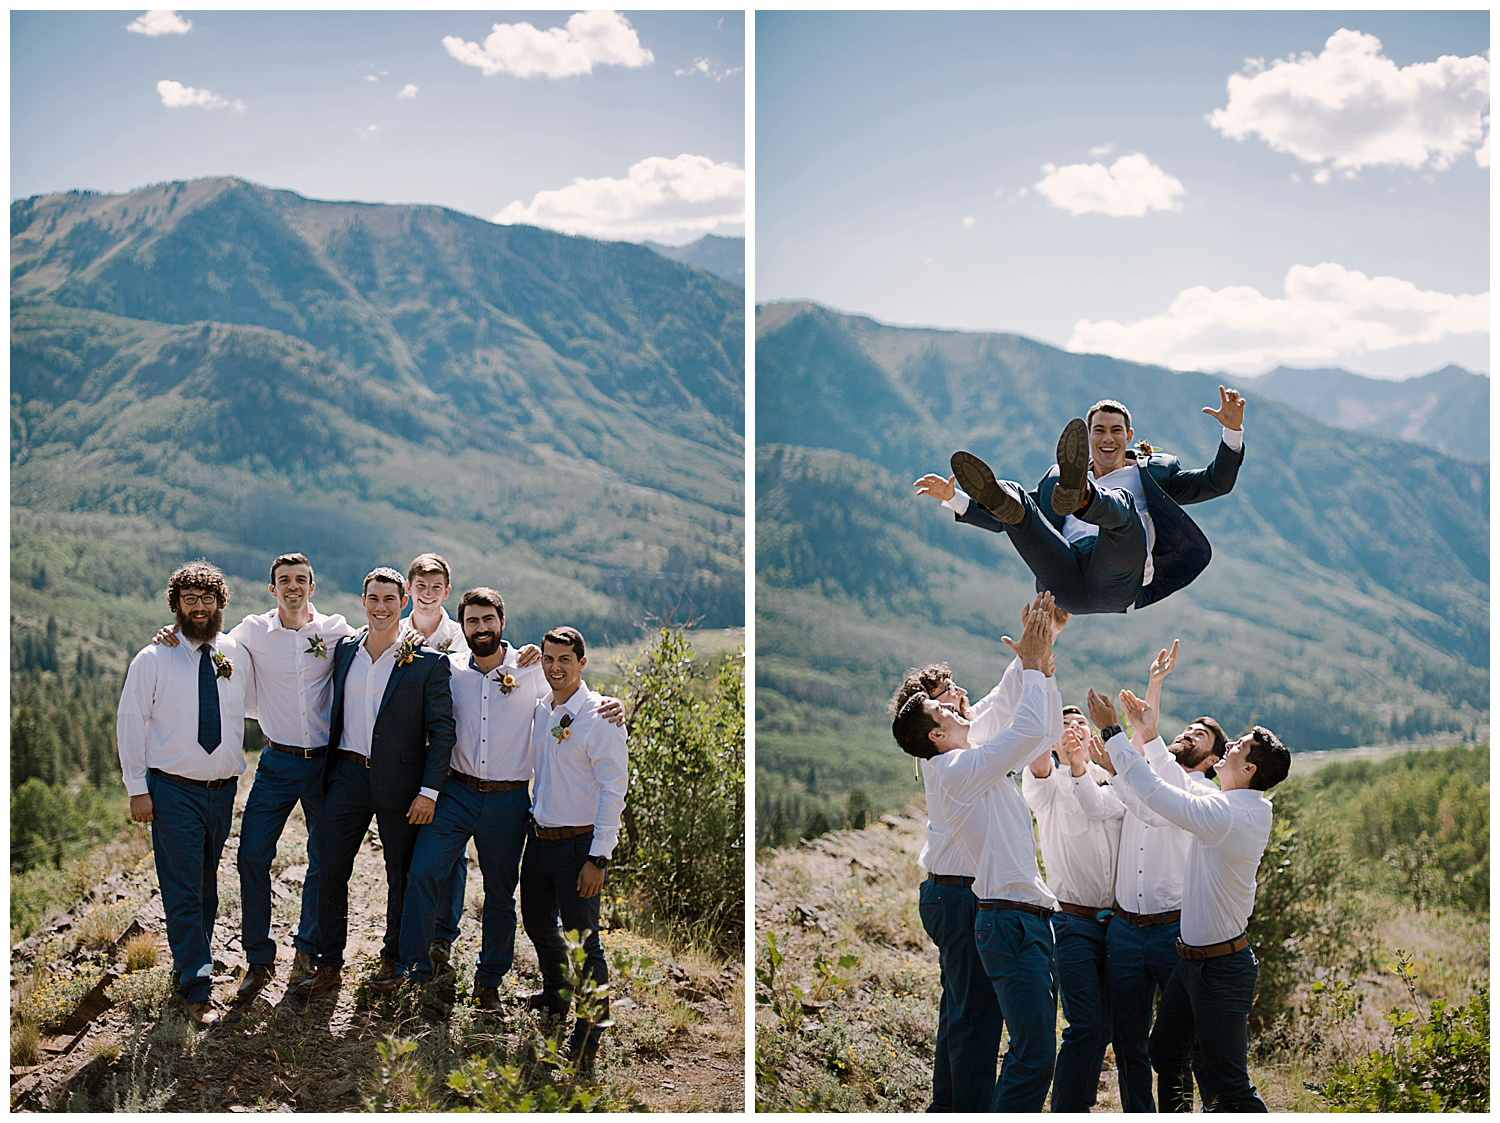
{"points": [[396, 672]]}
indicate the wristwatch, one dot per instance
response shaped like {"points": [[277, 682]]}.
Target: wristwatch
{"points": [[1109, 731], [599, 863]]}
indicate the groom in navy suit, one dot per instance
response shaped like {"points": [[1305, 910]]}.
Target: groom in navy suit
{"points": [[1104, 530], [390, 736]]}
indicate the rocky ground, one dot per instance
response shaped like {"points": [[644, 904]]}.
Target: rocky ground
{"points": [[678, 1043]]}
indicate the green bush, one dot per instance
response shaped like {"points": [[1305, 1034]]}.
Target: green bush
{"points": [[682, 850], [1439, 1061]]}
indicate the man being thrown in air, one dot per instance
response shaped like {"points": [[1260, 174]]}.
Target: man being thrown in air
{"points": [[1105, 529]]}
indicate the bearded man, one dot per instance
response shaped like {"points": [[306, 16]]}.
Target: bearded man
{"points": [[181, 732]]}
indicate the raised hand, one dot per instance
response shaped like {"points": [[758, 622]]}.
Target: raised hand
{"points": [[1100, 755], [1101, 710], [1142, 715], [936, 486], [1034, 648], [1164, 663], [1231, 411]]}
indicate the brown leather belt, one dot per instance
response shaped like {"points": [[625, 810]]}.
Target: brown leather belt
{"points": [[554, 834], [1099, 915], [1147, 919], [350, 754], [487, 785], [211, 785], [950, 879], [1213, 951], [305, 754], [1018, 906]]}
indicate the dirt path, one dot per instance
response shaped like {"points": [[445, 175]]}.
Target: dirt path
{"points": [[678, 1042]]}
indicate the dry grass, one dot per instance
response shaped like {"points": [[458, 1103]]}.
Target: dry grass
{"points": [[142, 951], [102, 925], [25, 1043]]}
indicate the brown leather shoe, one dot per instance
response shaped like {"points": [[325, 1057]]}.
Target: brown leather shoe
{"points": [[488, 1000], [322, 979], [203, 1014], [257, 975], [302, 965], [975, 477], [440, 951], [1072, 468], [388, 985]]}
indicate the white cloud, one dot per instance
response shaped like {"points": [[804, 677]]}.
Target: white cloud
{"points": [[1099, 151], [659, 198], [590, 39], [1128, 188], [407, 92], [174, 95], [367, 130], [159, 22], [372, 78], [1351, 107], [708, 69], [1326, 312], [969, 220]]}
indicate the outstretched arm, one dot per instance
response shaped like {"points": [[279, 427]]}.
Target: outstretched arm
{"points": [[1231, 411]]}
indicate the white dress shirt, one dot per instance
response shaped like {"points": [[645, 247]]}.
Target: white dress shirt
{"points": [[580, 778], [157, 721], [1153, 851], [448, 631], [1077, 851], [971, 790], [941, 853], [1228, 831], [293, 684], [493, 725]]}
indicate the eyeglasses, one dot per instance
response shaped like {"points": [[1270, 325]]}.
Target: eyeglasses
{"points": [[188, 600]]}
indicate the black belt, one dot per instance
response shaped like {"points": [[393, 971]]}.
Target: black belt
{"points": [[211, 785], [950, 879], [350, 754], [554, 834], [1212, 951], [487, 785], [1147, 919], [305, 754], [1098, 915], [1018, 906]]}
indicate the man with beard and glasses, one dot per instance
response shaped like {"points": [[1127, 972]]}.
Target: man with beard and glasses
{"points": [[181, 729], [1149, 877], [968, 1031], [1104, 530], [494, 696]]}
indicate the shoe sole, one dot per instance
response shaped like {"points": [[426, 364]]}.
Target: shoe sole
{"points": [[975, 477], [1072, 467]]}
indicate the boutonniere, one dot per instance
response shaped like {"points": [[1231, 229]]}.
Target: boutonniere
{"points": [[506, 682], [407, 652], [446, 647], [222, 666], [316, 647], [560, 731], [1146, 448]]}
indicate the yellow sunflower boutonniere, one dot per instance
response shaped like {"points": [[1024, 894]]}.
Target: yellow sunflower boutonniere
{"points": [[505, 681], [223, 668], [560, 731], [317, 648], [407, 652]]}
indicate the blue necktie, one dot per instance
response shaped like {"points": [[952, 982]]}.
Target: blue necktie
{"points": [[209, 733]]}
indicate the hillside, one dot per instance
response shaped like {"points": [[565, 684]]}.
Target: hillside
{"points": [[1347, 602], [723, 257], [1448, 409], [215, 367]]}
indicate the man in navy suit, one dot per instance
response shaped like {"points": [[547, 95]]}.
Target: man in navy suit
{"points": [[1105, 529], [390, 735]]}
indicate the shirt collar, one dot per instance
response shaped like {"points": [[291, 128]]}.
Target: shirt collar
{"points": [[576, 703], [277, 626]]}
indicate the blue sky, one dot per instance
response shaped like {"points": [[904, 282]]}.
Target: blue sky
{"points": [[1125, 183], [615, 126]]}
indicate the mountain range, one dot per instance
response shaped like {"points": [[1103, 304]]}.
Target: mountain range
{"points": [[1448, 409], [1347, 601], [216, 367], [723, 257]]}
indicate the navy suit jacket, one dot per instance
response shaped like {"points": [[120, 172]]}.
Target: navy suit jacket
{"points": [[1181, 551], [414, 731]]}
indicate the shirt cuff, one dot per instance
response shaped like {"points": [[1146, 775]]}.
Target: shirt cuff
{"points": [[603, 843], [430, 793], [1234, 438], [959, 503]]}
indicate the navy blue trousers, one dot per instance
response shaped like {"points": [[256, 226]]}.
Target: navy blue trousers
{"points": [[1081, 955], [969, 1023], [1207, 1002], [1098, 574], [281, 780], [1016, 949], [189, 826], [1141, 963], [550, 906]]}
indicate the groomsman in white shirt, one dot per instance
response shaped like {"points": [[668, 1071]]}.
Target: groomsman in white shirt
{"points": [[1079, 848], [1206, 1005], [970, 789], [578, 799], [181, 730]]}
